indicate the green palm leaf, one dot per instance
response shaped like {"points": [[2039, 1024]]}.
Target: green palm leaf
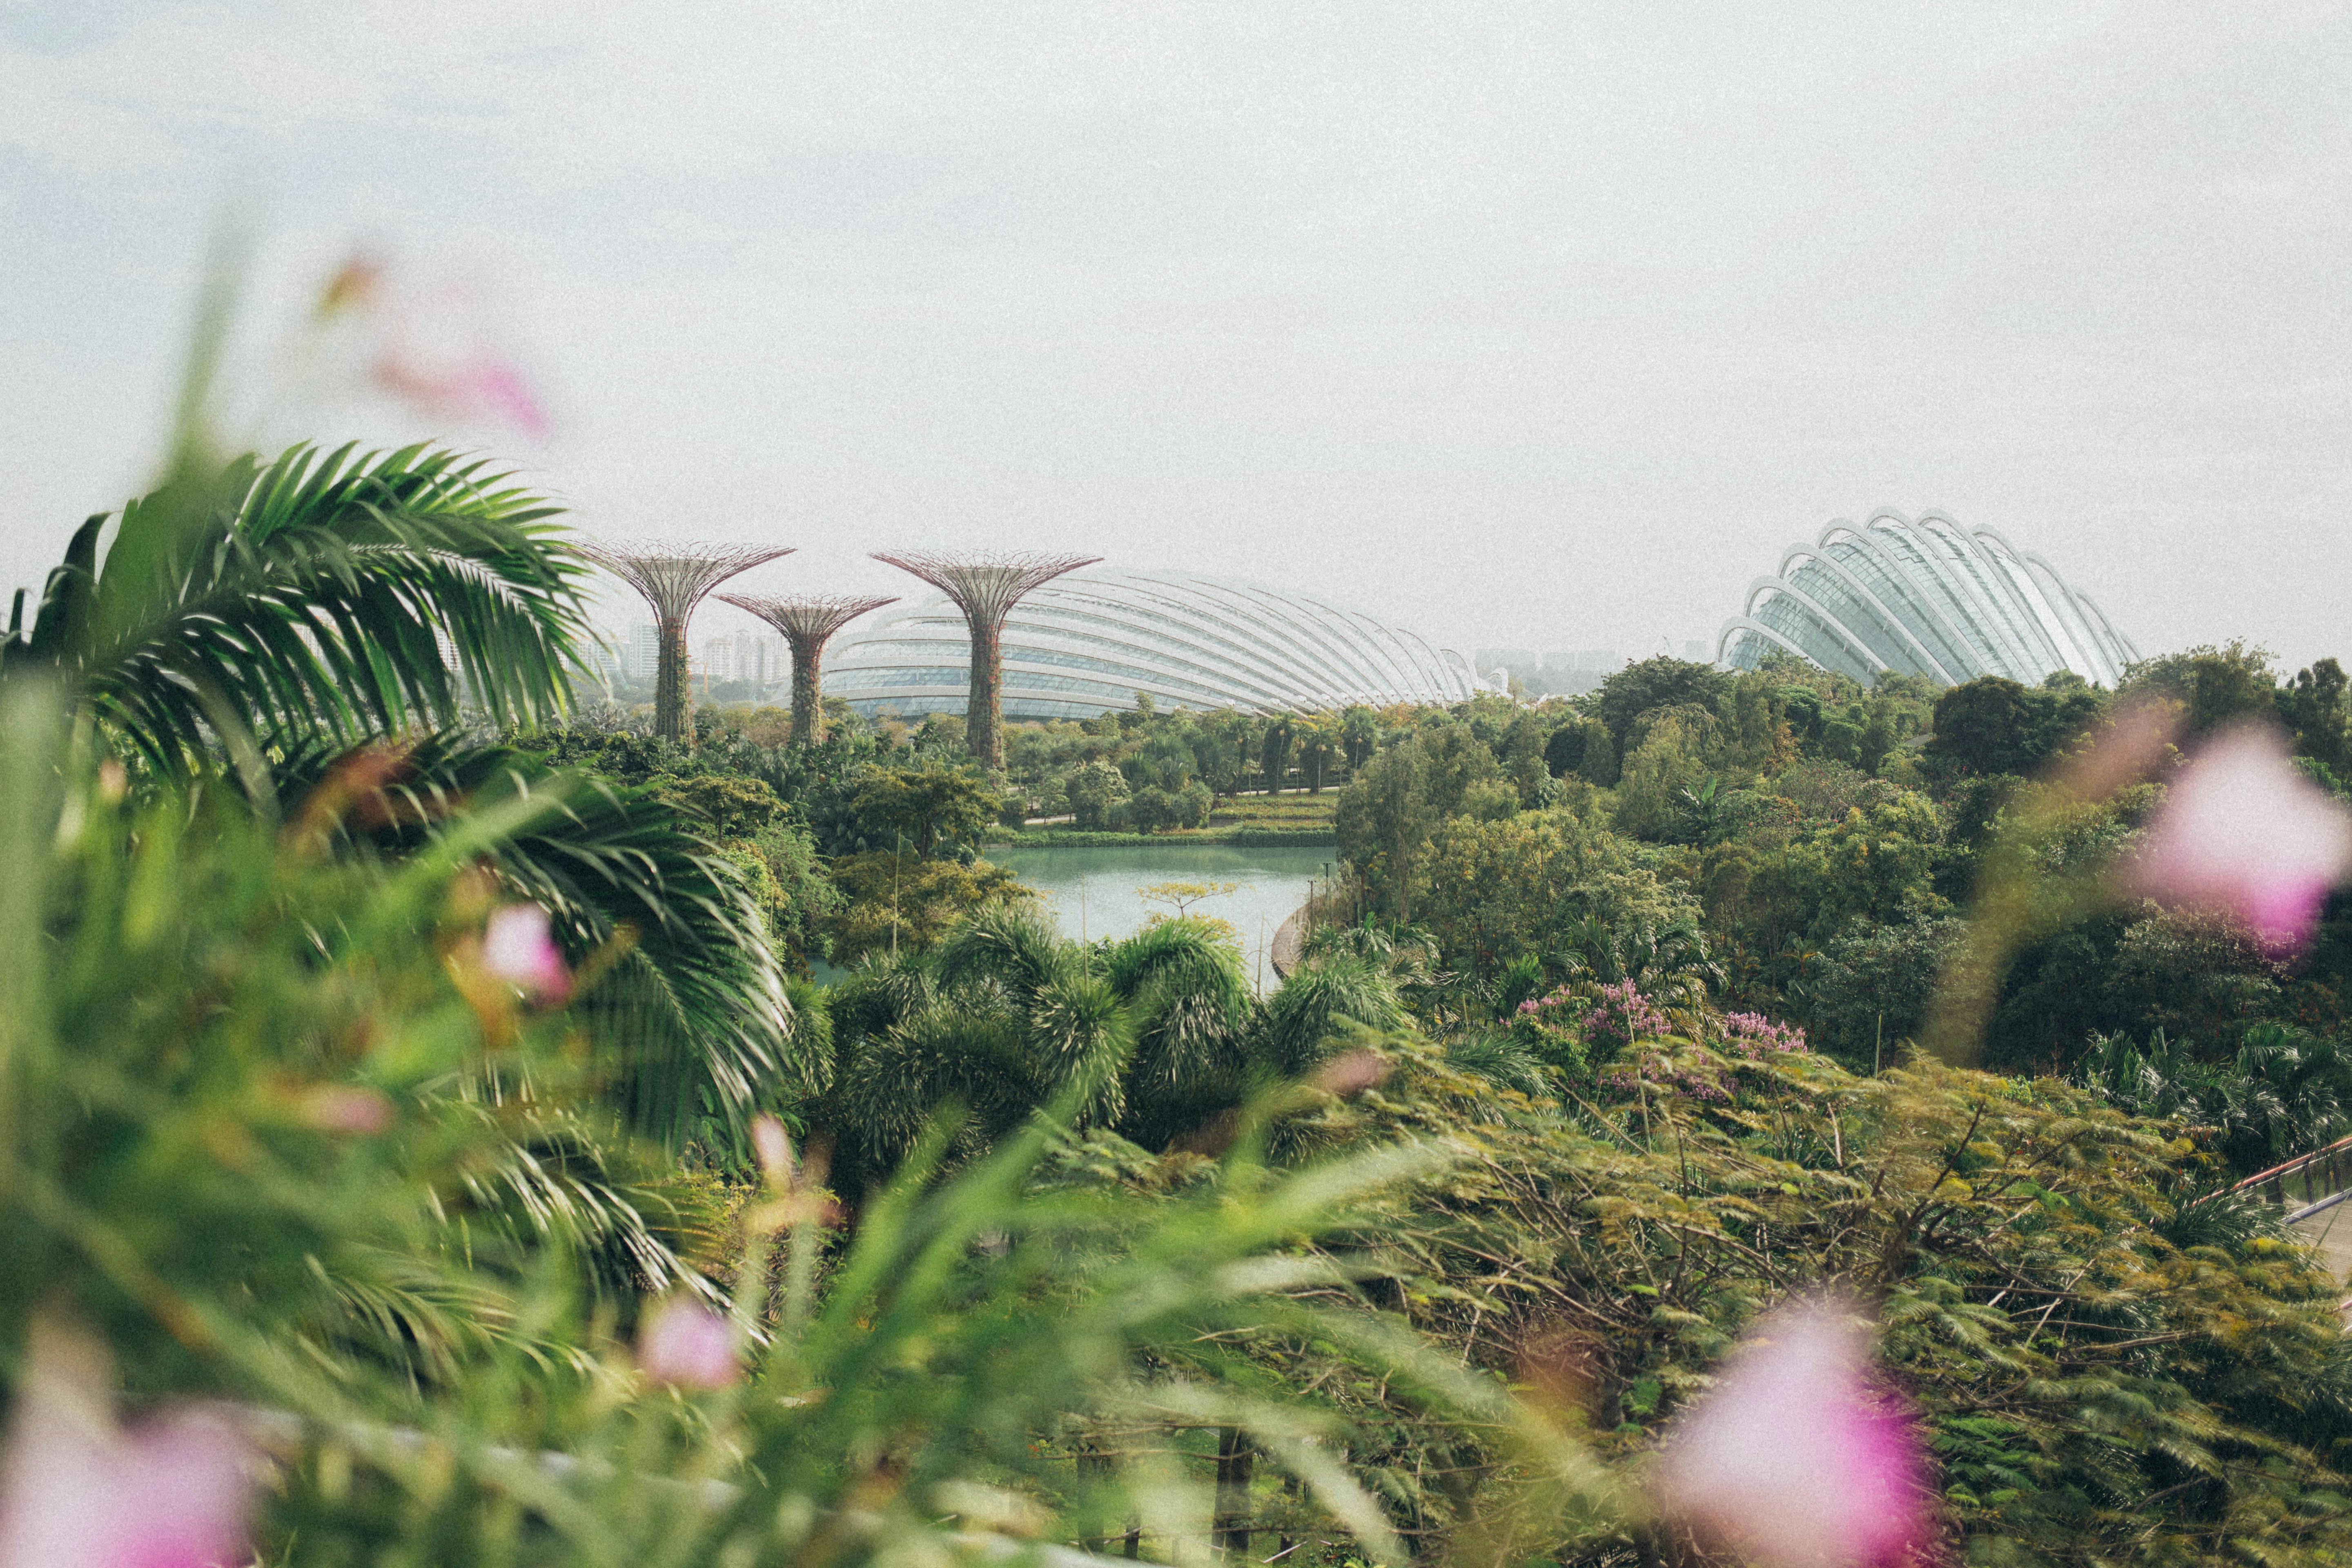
{"points": [[341, 596], [693, 1015]]}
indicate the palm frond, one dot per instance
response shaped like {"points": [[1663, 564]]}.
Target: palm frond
{"points": [[692, 1013], [338, 595]]}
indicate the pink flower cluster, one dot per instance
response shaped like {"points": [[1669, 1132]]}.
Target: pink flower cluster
{"points": [[1625, 1016], [1755, 1036], [518, 948], [686, 1344]]}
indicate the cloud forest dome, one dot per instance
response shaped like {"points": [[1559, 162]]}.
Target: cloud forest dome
{"points": [[1925, 598], [1085, 644]]}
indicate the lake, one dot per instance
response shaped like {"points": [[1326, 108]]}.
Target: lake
{"points": [[1095, 892]]}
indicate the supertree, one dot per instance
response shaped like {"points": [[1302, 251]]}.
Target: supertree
{"points": [[807, 622], [674, 578], [985, 586]]}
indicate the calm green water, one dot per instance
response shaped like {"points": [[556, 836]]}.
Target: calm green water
{"points": [[1095, 892]]}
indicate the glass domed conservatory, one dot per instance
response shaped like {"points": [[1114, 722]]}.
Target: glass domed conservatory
{"points": [[1085, 644], [1925, 598]]}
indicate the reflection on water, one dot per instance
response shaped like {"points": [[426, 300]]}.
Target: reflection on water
{"points": [[1097, 892]]}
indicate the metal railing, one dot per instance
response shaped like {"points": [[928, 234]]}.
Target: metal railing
{"points": [[2308, 1184]]}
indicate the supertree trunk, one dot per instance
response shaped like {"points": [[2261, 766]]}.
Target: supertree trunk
{"points": [[673, 691], [807, 623], [986, 587], [808, 698], [674, 578], [983, 733]]}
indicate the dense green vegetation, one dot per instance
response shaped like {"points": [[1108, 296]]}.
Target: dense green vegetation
{"points": [[433, 1077], [1807, 849]]}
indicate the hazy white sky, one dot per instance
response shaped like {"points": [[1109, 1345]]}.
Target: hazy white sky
{"points": [[1546, 324]]}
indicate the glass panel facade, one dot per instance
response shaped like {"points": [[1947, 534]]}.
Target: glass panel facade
{"points": [[1191, 642], [1928, 598]]}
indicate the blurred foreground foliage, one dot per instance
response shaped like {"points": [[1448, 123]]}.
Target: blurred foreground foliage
{"points": [[275, 1131]]}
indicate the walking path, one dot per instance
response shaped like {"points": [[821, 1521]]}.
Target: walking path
{"points": [[1288, 939]]}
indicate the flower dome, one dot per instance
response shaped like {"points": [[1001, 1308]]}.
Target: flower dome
{"points": [[1926, 597], [1087, 642]]}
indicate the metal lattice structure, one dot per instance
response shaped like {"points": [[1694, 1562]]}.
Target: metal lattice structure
{"points": [[807, 622], [985, 586], [674, 577]]}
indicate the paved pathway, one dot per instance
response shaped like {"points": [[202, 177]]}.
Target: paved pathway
{"points": [[2330, 1230], [1287, 941]]}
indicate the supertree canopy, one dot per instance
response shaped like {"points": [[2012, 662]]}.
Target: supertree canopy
{"points": [[807, 621], [674, 577], [985, 586]]}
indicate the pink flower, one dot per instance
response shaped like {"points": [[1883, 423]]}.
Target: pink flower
{"points": [[687, 1345], [1793, 1459], [76, 1492], [2242, 831], [775, 1149], [482, 389], [517, 948], [348, 1108]]}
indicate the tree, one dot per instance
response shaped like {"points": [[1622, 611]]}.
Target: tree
{"points": [[1359, 734], [2316, 708], [1006, 1017], [277, 621], [1582, 747], [1319, 741], [1523, 759], [906, 903], [1673, 757], [1151, 808], [1274, 750], [1097, 790], [1383, 820], [2214, 686], [1993, 725], [689, 1022], [1181, 896], [1651, 684], [930, 806], [731, 807], [1219, 753]]}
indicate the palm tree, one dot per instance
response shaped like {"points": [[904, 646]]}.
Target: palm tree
{"points": [[332, 598], [282, 620], [1004, 1018], [1153, 1037]]}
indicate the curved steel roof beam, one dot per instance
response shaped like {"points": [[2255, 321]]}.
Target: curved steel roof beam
{"points": [[2015, 618], [1938, 594], [2097, 640], [1928, 663], [1917, 610], [1780, 587], [2064, 636]]}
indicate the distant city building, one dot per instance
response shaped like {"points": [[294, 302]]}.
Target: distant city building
{"points": [[1085, 644], [604, 665], [759, 657], [1504, 658], [641, 651], [1925, 598], [1592, 661]]}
